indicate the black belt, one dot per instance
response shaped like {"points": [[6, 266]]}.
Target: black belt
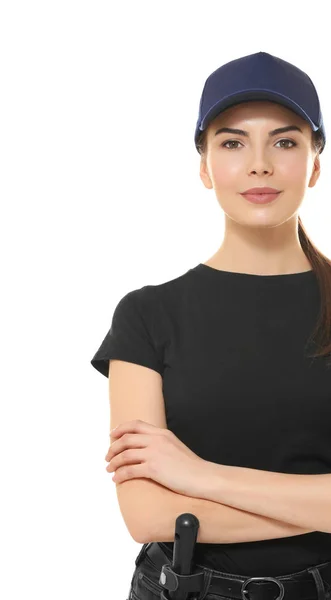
{"points": [[307, 584]]}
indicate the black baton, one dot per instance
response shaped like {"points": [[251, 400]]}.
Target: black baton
{"points": [[186, 532]]}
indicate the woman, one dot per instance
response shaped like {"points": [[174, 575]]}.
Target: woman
{"points": [[245, 441]]}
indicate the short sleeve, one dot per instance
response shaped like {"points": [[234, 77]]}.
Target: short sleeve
{"points": [[130, 336]]}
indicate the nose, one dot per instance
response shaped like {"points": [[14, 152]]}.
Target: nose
{"points": [[260, 171], [260, 164]]}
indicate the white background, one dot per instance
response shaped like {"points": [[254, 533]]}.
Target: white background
{"points": [[100, 195]]}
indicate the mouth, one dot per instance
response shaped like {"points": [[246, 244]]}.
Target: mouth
{"points": [[264, 198], [261, 190]]}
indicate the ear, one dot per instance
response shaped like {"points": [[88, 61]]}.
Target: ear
{"points": [[316, 171], [204, 175]]}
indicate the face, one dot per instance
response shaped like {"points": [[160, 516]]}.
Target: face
{"points": [[234, 163]]}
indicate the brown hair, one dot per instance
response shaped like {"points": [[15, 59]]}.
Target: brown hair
{"points": [[321, 265]]}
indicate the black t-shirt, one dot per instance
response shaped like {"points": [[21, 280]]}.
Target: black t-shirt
{"points": [[238, 386]]}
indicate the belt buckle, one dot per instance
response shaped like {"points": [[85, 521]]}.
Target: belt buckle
{"points": [[279, 583]]}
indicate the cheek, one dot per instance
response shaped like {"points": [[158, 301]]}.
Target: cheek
{"points": [[227, 174], [294, 173]]}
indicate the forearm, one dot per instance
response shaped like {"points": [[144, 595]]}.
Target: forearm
{"points": [[300, 499], [219, 524]]}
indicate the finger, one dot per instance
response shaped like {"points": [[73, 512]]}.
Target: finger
{"points": [[112, 450], [126, 457], [136, 440], [109, 454], [130, 472], [128, 426], [135, 426]]}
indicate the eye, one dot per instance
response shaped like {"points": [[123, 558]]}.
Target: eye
{"points": [[225, 144], [286, 140], [230, 142]]}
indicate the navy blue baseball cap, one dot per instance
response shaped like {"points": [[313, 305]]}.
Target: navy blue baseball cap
{"points": [[259, 76]]}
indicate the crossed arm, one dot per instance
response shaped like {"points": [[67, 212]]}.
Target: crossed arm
{"points": [[301, 500], [158, 507], [242, 505]]}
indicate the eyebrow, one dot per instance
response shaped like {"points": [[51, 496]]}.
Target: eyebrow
{"points": [[246, 134]]}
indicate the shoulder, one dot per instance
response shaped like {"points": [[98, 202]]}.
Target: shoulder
{"points": [[145, 298]]}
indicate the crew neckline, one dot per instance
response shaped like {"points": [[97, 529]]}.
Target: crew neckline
{"points": [[212, 271]]}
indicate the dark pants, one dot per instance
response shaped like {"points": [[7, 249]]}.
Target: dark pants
{"points": [[144, 583]]}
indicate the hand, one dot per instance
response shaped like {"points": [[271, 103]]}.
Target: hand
{"points": [[139, 449]]}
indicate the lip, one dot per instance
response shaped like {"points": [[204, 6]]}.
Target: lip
{"points": [[261, 190], [261, 198]]}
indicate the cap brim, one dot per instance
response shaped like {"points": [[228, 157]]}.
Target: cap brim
{"points": [[252, 95]]}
